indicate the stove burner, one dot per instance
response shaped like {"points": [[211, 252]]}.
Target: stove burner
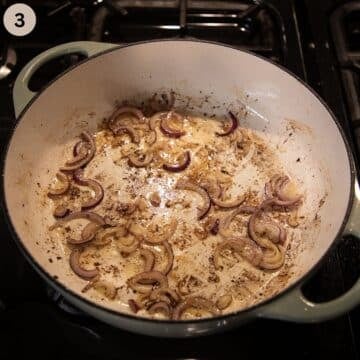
{"points": [[7, 61], [346, 41]]}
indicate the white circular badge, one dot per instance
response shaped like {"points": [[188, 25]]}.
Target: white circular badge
{"points": [[19, 19]]}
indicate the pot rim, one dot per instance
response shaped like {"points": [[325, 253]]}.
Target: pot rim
{"points": [[64, 288]]}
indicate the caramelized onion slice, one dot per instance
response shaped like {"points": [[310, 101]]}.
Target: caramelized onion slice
{"points": [[272, 230], [134, 306], [226, 221], [170, 257], [80, 152], [93, 185], [274, 257], [140, 161], [224, 301], [127, 248], [194, 302], [186, 185], [65, 185], [70, 166], [232, 127], [166, 127], [162, 307], [165, 293], [149, 258], [104, 237], [243, 246], [89, 231], [156, 118], [151, 138], [86, 215], [87, 234], [78, 270], [183, 162], [60, 211], [80, 147], [228, 204], [147, 278], [276, 195], [134, 136], [280, 190], [115, 124], [265, 243]]}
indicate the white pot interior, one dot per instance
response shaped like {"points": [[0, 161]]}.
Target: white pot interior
{"points": [[277, 105]]}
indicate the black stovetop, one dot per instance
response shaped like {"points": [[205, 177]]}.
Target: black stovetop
{"points": [[317, 40]]}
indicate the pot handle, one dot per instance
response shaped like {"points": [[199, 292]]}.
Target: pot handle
{"points": [[22, 95], [294, 306]]}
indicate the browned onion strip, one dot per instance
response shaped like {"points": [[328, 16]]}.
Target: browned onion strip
{"points": [[65, 185], [109, 221], [155, 119], [103, 238], [273, 258], [87, 234], [268, 190], [134, 136], [194, 302], [170, 256], [147, 278], [60, 211], [86, 215], [114, 125], [140, 161], [184, 162], [137, 230], [244, 246], [166, 128], [93, 185], [126, 250], [167, 234], [78, 270], [149, 258], [274, 192], [165, 293], [80, 151], [233, 126], [186, 185], [134, 306], [80, 147], [273, 231], [89, 231], [160, 306], [252, 232], [277, 202], [279, 189], [228, 204], [70, 166], [151, 138], [212, 187], [226, 221]]}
